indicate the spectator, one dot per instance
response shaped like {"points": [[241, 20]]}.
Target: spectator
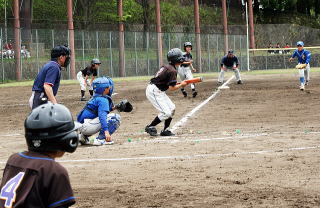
{"points": [[277, 46], [270, 46], [286, 46]]}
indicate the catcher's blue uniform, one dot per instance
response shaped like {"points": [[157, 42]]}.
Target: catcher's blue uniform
{"points": [[99, 106]]}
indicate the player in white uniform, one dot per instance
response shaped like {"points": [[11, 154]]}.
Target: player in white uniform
{"points": [[166, 78], [184, 70], [83, 77]]}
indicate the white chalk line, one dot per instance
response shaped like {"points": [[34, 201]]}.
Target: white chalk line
{"points": [[190, 156], [188, 115], [279, 151]]}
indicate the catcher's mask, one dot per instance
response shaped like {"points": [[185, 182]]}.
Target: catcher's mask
{"points": [[175, 56], [101, 83], [50, 127]]}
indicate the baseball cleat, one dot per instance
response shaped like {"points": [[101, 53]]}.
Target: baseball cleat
{"points": [[239, 82], [302, 87], [219, 83], [194, 94], [307, 82], [184, 93], [99, 142], [166, 133], [84, 140], [83, 99], [151, 130]]}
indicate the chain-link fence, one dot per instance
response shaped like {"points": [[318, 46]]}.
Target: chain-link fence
{"points": [[140, 51]]}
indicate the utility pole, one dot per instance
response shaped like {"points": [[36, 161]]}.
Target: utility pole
{"points": [[225, 26], [197, 30], [121, 40], [71, 39], [159, 34], [17, 46], [251, 24]]}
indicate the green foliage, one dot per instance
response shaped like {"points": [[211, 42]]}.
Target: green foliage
{"points": [[278, 5], [50, 10]]}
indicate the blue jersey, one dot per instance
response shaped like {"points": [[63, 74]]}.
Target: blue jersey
{"points": [[304, 56], [49, 74], [98, 106]]}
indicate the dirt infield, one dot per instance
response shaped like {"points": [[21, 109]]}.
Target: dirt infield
{"points": [[254, 145]]}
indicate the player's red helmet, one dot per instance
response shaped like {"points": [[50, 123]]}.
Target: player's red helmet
{"points": [[50, 127]]}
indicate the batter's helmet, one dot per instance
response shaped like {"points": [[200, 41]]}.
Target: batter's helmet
{"points": [[101, 83], [186, 44], [175, 56], [300, 43], [61, 50], [50, 127], [95, 61]]}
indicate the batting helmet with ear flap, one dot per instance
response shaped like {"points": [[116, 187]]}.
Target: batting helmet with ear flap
{"points": [[186, 44], [175, 56], [50, 127]]}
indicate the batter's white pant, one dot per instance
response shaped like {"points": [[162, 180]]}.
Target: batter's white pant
{"points": [[236, 73], [185, 73], [305, 73], [81, 81], [160, 101]]}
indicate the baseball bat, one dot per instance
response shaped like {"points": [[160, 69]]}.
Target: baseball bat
{"points": [[194, 80]]}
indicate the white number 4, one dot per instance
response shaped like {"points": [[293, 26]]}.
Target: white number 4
{"points": [[8, 191]]}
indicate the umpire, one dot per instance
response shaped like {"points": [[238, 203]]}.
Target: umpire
{"points": [[46, 84]]}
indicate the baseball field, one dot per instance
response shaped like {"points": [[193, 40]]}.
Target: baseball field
{"points": [[252, 145]]}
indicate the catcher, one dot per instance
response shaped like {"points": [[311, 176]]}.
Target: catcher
{"points": [[304, 57], [96, 117]]}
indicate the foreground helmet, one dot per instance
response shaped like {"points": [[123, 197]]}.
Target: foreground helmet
{"points": [[186, 44], [61, 50], [101, 83], [300, 43], [95, 61], [50, 127], [175, 56]]}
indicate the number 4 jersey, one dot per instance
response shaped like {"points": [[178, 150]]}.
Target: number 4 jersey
{"points": [[33, 180]]}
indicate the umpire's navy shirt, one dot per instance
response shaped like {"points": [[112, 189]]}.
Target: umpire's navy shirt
{"points": [[229, 61], [49, 74]]}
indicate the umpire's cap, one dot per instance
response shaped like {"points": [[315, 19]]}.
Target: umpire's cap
{"points": [[95, 61], [175, 56], [50, 127], [300, 43], [60, 50]]}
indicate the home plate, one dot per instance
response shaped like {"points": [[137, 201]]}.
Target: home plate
{"points": [[224, 87]]}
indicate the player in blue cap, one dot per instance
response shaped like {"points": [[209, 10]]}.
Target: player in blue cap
{"points": [[96, 116], [304, 58]]}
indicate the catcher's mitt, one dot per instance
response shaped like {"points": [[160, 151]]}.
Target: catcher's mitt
{"points": [[301, 66], [124, 106]]}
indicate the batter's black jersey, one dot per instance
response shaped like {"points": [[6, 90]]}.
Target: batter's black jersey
{"points": [[88, 71], [34, 180], [229, 62], [165, 77], [188, 57]]}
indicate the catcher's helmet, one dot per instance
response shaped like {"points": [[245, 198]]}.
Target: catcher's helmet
{"points": [[186, 44], [50, 127], [175, 56], [101, 83], [300, 43], [95, 61], [61, 50]]}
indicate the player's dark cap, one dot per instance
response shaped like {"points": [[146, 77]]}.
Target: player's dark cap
{"points": [[300, 43], [95, 61], [175, 56], [50, 127], [186, 44], [230, 51]]}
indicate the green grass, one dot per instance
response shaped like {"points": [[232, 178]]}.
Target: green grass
{"points": [[29, 83]]}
